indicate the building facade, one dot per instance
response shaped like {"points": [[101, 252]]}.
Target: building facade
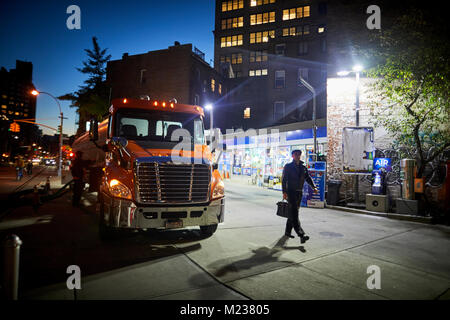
{"points": [[17, 103], [178, 72], [264, 46]]}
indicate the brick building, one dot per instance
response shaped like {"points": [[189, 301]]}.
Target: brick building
{"points": [[178, 72]]}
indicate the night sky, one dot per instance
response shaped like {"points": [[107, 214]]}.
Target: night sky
{"points": [[36, 31]]}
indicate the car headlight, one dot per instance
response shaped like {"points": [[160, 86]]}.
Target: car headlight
{"points": [[118, 189], [219, 190]]}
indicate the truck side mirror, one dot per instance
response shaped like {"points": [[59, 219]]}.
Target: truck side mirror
{"points": [[93, 130]]}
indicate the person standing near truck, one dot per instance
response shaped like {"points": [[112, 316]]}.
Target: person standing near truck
{"points": [[77, 170]]}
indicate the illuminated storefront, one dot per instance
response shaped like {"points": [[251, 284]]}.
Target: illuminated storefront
{"points": [[263, 156]]}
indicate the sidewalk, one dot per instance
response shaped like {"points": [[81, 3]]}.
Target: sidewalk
{"points": [[246, 181]]}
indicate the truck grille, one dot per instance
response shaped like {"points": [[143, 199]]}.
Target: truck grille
{"points": [[171, 183]]}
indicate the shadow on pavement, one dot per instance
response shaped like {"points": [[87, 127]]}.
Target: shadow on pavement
{"points": [[261, 258]]}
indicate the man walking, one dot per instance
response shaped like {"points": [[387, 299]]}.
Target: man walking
{"points": [[294, 176]]}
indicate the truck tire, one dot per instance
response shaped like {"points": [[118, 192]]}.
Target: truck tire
{"points": [[208, 230]]}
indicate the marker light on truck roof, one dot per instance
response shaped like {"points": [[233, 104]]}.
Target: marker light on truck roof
{"points": [[155, 103], [171, 105], [124, 100], [164, 104]]}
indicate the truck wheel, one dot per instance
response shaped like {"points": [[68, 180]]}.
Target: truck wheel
{"points": [[208, 230]]}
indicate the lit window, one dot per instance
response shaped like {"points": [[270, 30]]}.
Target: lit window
{"points": [[305, 30], [254, 3], [220, 88], [4, 96], [247, 113], [231, 41], [232, 5], [251, 73], [3, 106], [296, 13], [321, 29], [213, 85], [16, 113]]}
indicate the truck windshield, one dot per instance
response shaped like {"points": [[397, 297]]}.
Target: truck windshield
{"points": [[159, 126]]}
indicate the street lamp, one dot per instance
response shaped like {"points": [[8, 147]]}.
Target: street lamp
{"points": [[356, 69], [209, 107], [310, 88], [36, 93]]}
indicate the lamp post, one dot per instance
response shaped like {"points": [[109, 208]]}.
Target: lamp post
{"points": [[209, 107], [36, 93], [310, 88], [356, 69]]}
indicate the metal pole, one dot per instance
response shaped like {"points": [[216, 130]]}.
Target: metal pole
{"points": [[357, 124], [11, 254], [60, 146], [211, 124], [310, 88]]}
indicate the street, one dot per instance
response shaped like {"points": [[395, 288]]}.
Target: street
{"points": [[247, 257]]}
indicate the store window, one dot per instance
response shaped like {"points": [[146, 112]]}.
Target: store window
{"points": [[280, 79], [278, 110]]}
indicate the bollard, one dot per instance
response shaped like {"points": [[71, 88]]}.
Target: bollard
{"points": [[11, 253]]}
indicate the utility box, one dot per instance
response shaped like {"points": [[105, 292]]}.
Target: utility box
{"points": [[405, 206], [377, 202]]}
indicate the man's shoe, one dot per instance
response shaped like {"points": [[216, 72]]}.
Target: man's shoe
{"points": [[289, 235], [303, 239]]}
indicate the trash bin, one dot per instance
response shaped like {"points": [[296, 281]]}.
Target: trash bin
{"points": [[333, 192]]}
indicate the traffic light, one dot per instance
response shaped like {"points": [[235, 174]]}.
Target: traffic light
{"points": [[59, 128], [14, 127]]}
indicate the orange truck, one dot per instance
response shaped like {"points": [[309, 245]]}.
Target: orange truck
{"points": [[152, 168]]}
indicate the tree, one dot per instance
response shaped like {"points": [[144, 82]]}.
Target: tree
{"points": [[410, 92], [92, 98]]}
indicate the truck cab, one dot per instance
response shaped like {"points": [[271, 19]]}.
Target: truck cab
{"points": [[154, 169]]}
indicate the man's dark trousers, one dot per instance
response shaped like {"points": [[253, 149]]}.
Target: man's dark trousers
{"points": [[294, 198], [78, 186]]}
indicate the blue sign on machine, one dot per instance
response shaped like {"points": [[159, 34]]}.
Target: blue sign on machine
{"points": [[317, 172], [379, 163]]}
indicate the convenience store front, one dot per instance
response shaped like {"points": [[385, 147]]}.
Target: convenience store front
{"points": [[262, 157]]}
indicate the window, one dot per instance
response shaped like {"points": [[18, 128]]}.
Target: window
{"points": [[232, 23], [280, 78], [263, 36], [247, 113], [213, 84], [254, 3], [262, 18], [3, 106], [257, 72], [236, 58], [220, 88], [231, 41], [305, 30], [302, 48], [258, 56], [278, 110], [304, 73], [232, 5], [321, 28], [323, 45], [196, 99], [143, 78], [296, 13], [280, 49]]}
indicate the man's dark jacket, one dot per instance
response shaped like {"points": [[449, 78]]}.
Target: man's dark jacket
{"points": [[294, 177]]}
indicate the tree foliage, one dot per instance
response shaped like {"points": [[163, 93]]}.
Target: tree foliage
{"points": [[92, 98], [410, 94]]}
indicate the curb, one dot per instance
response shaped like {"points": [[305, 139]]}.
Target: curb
{"points": [[395, 216]]}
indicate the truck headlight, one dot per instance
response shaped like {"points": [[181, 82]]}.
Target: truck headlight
{"points": [[219, 190], [118, 189]]}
